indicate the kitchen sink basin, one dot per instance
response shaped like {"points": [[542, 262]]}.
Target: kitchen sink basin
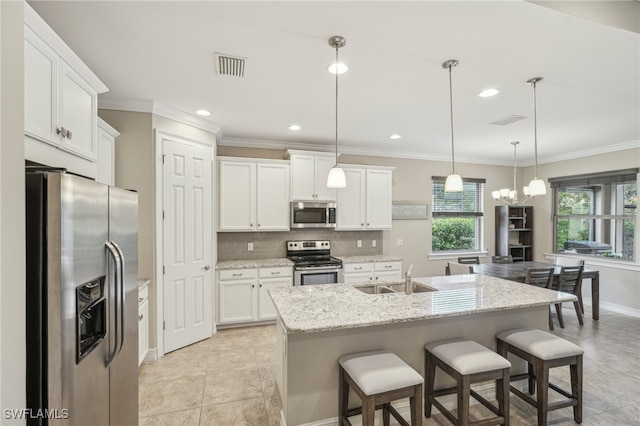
{"points": [[392, 287]]}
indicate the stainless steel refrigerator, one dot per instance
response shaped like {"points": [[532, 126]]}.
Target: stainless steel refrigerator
{"points": [[82, 325]]}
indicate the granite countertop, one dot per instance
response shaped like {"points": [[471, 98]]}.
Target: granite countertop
{"points": [[308, 309], [260, 263], [370, 258]]}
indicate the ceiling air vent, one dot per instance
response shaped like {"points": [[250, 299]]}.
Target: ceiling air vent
{"points": [[229, 65], [508, 120]]}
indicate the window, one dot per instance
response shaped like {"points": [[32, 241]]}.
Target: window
{"points": [[595, 214], [457, 216]]}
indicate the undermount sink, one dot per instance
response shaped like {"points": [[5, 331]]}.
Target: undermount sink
{"points": [[392, 287]]}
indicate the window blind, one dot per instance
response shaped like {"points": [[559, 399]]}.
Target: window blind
{"points": [[592, 179], [468, 202]]}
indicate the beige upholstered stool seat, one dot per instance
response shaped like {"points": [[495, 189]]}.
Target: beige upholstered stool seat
{"points": [[544, 351], [468, 362], [540, 343], [378, 378]]}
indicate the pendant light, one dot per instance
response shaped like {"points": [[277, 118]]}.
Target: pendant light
{"points": [[454, 181], [510, 196], [536, 186], [336, 178]]}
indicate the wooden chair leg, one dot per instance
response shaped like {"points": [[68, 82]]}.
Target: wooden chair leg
{"points": [[559, 313], [576, 305], [464, 388], [532, 379], [416, 406], [576, 388], [386, 415], [550, 319], [430, 374], [343, 396], [542, 382]]}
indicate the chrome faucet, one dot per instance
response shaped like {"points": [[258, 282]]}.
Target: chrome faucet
{"points": [[408, 287]]}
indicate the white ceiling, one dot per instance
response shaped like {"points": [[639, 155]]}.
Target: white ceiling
{"points": [[160, 51]]}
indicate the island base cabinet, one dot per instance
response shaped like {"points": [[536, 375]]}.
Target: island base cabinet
{"points": [[372, 271], [143, 324], [307, 363]]}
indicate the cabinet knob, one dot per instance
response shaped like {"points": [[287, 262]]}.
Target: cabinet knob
{"points": [[140, 299], [140, 317], [368, 224], [258, 225], [253, 285], [68, 135], [62, 132], [251, 224]]}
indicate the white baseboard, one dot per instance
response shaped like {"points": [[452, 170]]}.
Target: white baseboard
{"points": [[152, 355], [613, 307], [449, 402]]}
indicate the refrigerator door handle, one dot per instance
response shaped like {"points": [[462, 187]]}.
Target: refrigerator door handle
{"points": [[117, 261], [123, 295]]}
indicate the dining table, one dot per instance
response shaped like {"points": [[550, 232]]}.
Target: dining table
{"points": [[517, 271]]}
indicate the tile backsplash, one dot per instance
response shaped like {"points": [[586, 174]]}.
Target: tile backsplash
{"points": [[266, 245]]}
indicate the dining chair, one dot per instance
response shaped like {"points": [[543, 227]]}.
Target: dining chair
{"points": [[454, 268], [541, 277], [471, 260], [570, 281], [502, 259]]}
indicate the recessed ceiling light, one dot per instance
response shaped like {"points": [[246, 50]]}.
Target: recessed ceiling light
{"points": [[487, 93], [342, 68], [395, 136], [294, 127], [203, 112]]}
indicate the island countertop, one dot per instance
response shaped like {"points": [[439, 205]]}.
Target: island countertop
{"points": [[307, 309]]}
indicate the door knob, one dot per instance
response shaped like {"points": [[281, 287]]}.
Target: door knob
{"points": [[206, 267]]}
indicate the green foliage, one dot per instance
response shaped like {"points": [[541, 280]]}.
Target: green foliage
{"points": [[453, 234]]}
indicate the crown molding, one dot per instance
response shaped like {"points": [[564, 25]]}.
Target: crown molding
{"points": [[281, 145], [162, 110]]}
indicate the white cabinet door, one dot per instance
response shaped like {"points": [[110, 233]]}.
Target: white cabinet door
{"points": [[41, 66], [378, 197], [303, 180], [266, 310], [143, 330], [388, 271], [358, 277], [78, 115], [272, 197], [351, 201], [322, 167], [237, 299], [237, 196], [388, 276], [105, 172]]}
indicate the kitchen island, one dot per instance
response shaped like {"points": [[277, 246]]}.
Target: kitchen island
{"points": [[317, 325]]}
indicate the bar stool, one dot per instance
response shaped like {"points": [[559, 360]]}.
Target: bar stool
{"points": [[467, 362], [543, 351], [378, 377]]}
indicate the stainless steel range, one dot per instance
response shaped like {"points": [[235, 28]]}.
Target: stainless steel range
{"points": [[313, 263]]}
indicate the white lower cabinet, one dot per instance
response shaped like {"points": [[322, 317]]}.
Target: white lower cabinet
{"points": [[372, 271], [143, 324], [243, 293]]}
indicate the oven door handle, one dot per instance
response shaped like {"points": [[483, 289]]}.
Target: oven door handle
{"points": [[318, 268]]}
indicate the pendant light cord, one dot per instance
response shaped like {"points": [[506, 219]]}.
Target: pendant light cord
{"points": [[337, 47], [453, 155], [535, 128]]}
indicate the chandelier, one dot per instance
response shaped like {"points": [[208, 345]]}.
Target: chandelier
{"points": [[510, 196]]}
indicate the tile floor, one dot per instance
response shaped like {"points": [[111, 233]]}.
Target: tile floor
{"points": [[229, 379]]}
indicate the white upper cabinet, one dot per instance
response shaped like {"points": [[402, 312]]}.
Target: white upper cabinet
{"points": [[309, 172], [366, 201], [254, 196], [106, 153], [61, 101]]}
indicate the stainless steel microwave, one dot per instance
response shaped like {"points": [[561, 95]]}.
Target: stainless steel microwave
{"points": [[313, 214]]}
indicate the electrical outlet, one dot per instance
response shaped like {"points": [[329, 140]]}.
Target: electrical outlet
{"points": [[399, 242], [250, 246], [359, 243], [374, 243]]}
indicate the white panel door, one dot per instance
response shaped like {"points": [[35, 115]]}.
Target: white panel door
{"points": [[272, 211], [351, 201], [188, 243], [237, 196], [378, 199]]}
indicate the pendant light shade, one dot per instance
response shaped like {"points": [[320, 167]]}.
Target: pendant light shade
{"points": [[537, 185], [454, 181], [336, 178]]}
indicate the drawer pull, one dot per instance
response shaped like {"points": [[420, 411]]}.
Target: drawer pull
{"points": [[237, 275], [358, 268], [140, 299], [275, 273], [140, 317], [387, 266]]}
